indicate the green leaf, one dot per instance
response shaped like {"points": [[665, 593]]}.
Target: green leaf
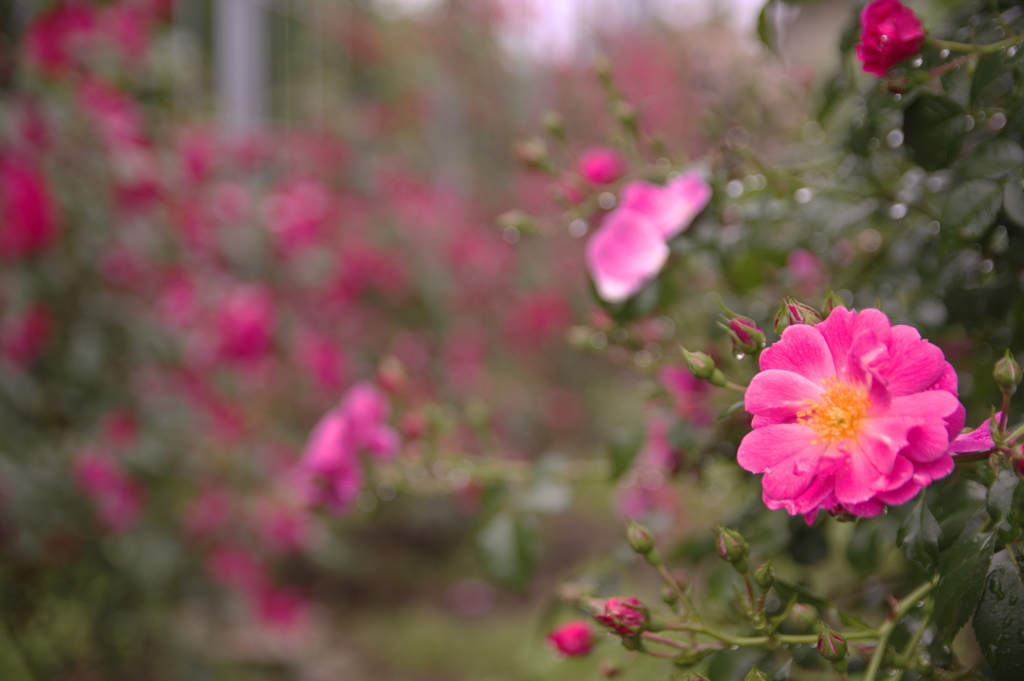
{"points": [[624, 447], [994, 159], [731, 409], [963, 569], [988, 69], [1000, 497], [971, 208], [508, 548], [999, 620], [1013, 200], [958, 509], [765, 28], [919, 537], [934, 128]]}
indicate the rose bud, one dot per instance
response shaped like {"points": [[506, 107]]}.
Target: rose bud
{"points": [[573, 639], [625, 616]]}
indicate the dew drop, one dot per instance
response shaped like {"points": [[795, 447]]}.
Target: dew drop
{"points": [[917, 63], [944, 53], [768, 470], [739, 355], [734, 647]]}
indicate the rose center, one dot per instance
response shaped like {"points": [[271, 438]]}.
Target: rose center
{"points": [[838, 415]]}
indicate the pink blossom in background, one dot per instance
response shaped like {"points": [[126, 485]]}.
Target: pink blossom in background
{"points": [[280, 607], [538, 317], [245, 324], [127, 24], [117, 498], [330, 472], [236, 568], [284, 527], [321, 359], [57, 37], [806, 270], [297, 213], [28, 221], [115, 114], [23, 338], [601, 165], [573, 639], [689, 394], [197, 153], [231, 202], [625, 254], [850, 415], [672, 207], [890, 33]]}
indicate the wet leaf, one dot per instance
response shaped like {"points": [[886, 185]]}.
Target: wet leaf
{"points": [[999, 620], [919, 537], [963, 569]]}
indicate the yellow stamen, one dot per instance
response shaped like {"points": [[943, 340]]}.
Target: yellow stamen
{"points": [[837, 416]]}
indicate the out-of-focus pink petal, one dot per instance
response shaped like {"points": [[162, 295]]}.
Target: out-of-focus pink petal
{"points": [[624, 255]]}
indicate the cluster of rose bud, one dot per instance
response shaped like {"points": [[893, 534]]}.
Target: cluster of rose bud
{"points": [[627, 617]]}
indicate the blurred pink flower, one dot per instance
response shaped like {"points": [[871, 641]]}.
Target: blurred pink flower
{"points": [[231, 202], [57, 37], [23, 338], [28, 222], [245, 324], [236, 568], [624, 254], [689, 394], [297, 212], [890, 33], [573, 639], [601, 165], [330, 472], [113, 112], [118, 498], [280, 607], [321, 359], [806, 270], [285, 528], [672, 207], [850, 415]]}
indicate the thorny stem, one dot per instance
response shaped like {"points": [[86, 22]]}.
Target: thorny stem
{"points": [[764, 640], [979, 49], [905, 606]]}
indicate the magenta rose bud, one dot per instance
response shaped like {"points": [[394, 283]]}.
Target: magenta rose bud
{"points": [[625, 616], [601, 165], [747, 337], [573, 639], [890, 33]]}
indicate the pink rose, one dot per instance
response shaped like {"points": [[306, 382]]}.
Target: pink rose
{"points": [[850, 414], [28, 222], [624, 254], [671, 207], [890, 33], [331, 472], [118, 498], [601, 165], [573, 639]]}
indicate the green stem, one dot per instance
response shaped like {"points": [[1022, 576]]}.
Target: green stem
{"points": [[908, 650], [792, 639], [980, 49], [735, 386], [905, 606]]}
